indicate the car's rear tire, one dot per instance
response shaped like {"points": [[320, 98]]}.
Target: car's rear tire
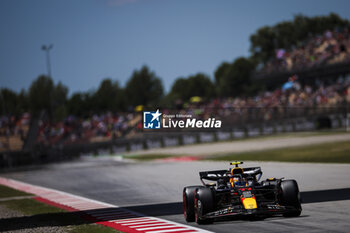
{"points": [[204, 203], [188, 202], [291, 197]]}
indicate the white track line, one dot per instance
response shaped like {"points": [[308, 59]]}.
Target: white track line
{"points": [[134, 220], [169, 230], [135, 223], [153, 228], [148, 225]]}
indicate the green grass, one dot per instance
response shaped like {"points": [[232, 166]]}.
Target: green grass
{"points": [[6, 192], [337, 152], [31, 207], [41, 214], [148, 157], [92, 228], [286, 135]]}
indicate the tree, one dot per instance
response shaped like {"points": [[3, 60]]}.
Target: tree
{"points": [[221, 73], [9, 102], [59, 101], [262, 44], [77, 104], [234, 79], [195, 85], [23, 104], [179, 90], [144, 88], [41, 94], [60, 94], [109, 96], [45, 95]]}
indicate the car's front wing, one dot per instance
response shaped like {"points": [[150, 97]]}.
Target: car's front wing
{"points": [[239, 210]]}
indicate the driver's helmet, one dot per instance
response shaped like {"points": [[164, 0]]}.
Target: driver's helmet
{"points": [[238, 181]]}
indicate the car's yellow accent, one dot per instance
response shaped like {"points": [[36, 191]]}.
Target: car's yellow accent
{"points": [[249, 203], [236, 163], [271, 179]]}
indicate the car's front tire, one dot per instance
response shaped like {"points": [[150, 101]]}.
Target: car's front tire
{"points": [[291, 197], [204, 203], [188, 202]]}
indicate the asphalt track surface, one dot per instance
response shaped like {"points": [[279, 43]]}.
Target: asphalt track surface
{"points": [[155, 188]]}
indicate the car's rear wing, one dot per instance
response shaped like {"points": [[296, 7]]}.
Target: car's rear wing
{"points": [[253, 171], [214, 175], [225, 174]]}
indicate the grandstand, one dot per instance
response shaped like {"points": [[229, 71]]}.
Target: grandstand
{"points": [[324, 57]]}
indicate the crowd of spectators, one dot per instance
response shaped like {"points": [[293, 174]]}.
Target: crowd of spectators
{"points": [[13, 131], [296, 96], [75, 129], [329, 48], [12, 125], [279, 102]]}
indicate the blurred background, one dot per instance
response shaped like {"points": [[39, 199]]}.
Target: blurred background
{"points": [[75, 76]]}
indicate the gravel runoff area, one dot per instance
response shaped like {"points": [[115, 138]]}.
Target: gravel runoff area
{"points": [[247, 145], [9, 213]]}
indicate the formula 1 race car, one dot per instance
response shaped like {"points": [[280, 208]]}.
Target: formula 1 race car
{"points": [[237, 191]]}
